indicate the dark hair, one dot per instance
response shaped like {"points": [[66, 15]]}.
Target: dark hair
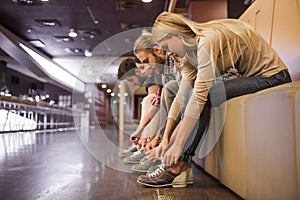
{"points": [[126, 68]]}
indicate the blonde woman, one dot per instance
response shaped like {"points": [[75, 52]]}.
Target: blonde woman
{"points": [[217, 49]]}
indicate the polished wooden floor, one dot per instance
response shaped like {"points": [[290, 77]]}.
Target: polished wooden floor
{"points": [[72, 165]]}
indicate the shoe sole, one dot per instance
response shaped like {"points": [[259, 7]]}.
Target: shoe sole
{"points": [[140, 171], [129, 152], [123, 156], [177, 185], [189, 173], [131, 162]]}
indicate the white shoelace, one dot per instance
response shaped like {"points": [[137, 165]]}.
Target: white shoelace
{"points": [[139, 150], [145, 159], [158, 170]]}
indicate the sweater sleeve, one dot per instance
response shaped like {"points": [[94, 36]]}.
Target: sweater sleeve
{"points": [[204, 80], [189, 73]]}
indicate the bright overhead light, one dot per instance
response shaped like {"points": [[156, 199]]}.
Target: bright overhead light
{"points": [[88, 53], [104, 86], [55, 71], [146, 1], [37, 43], [72, 32]]}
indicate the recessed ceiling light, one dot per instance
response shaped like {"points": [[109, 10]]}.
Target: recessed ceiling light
{"points": [[96, 21], [48, 22], [72, 32], [28, 2], [63, 38], [37, 43], [77, 50], [71, 50], [88, 53], [146, 1], [104, 86]]}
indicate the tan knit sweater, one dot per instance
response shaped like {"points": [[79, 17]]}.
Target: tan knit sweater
{"points": [[261, 60]]}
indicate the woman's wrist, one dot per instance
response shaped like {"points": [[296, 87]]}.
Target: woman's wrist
{"points": [[139, 129], [165, 141], [178, 143]]}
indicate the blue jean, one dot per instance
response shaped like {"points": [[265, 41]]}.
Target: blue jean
{"points": [[222, 91]]}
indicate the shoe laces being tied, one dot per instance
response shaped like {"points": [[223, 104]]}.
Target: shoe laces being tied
{"points": [[145, 159], [160, 169], [139, 151]]}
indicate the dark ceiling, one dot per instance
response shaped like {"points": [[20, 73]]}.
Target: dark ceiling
{"points": [[108, 28], [49, 22]]}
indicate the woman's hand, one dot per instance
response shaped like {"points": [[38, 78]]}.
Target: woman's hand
{"points": [[142, 143], [153, 143], [135, 136], [157, 152], [172, 155], [161, 149]]}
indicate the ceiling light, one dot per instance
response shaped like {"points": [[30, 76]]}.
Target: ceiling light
{"points": [[88, 53], [54, 71], [71, 50], [48, 22], [108, 90], [28, 2], [104, 86], [72, 33], [63, 38], [92, 15], [76, 50], [146, 1], [37, 43]]}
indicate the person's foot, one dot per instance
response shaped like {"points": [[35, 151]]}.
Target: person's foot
{"points": [[189, 173], [135, 158], [144, 165], [127, 152], [163, 177]]}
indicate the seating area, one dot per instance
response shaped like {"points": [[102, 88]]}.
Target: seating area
{"points": [[256, 151], [258, 155]]}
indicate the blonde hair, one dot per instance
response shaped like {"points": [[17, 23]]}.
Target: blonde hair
{"points": [[168, 24], [144, 43]]}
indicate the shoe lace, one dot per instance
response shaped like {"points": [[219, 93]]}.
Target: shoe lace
{"points": [[137, 152], [157, 171], [144, 160]]}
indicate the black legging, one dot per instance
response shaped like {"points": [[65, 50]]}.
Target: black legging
{"points": [[231, 88]]}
